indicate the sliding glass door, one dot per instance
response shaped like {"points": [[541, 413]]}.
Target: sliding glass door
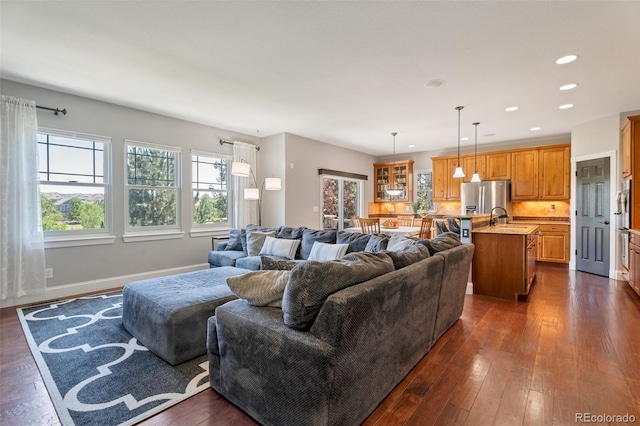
{"points": [[341, 200]]}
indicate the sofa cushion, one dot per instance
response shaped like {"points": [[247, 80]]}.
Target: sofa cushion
{"points": [[398, 243], [442, 242], [255, 241], [357, 241], [260, 288], [311, 282], [280, 247], [310, 236], [251, 263], [324, 251], [225, 258], [377, 243], [269, 263], [290, 233], [412, 254], [235, 240]]}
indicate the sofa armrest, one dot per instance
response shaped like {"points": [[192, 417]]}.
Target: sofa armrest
{"points": [[276, 374], [222, 245]]}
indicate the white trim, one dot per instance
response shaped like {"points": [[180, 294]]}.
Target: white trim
{"points": [[613, 185], [77, 241], [68, 290], [148, 236], [74, 135], [210, 232]]}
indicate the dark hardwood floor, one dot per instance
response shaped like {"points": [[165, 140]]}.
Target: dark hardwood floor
{"points": [[574, 347]]}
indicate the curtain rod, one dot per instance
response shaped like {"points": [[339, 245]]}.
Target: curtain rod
{"points": [[55, 110], [231, 143]]}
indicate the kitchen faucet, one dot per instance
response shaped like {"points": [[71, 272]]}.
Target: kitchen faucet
{"points": [[502, 216]]}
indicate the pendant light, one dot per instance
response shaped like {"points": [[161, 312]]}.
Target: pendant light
{"points": [[395, 188], [458, 172], [476, 176]]}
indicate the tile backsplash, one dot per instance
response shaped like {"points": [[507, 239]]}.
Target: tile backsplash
{"points": [[541, 209]]}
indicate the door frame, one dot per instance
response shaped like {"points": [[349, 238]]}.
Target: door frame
{"points": [[614, 179]]}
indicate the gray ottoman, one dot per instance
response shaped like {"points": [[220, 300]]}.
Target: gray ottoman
{"points": [[169, 314]]}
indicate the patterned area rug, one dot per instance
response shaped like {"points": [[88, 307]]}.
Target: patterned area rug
{"points": [[95, 371]]}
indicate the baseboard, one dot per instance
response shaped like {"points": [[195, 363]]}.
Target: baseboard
{"points": [[469, 288], [68, 290]]}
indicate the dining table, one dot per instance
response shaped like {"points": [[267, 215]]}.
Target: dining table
{"points": [[406, 231]]}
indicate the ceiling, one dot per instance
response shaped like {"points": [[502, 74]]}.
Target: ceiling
{"points": [[345, 73]]}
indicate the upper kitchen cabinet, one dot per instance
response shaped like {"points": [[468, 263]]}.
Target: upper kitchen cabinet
{"points": [[445, 186], [524, 175], [453, 184], [541, 174], [630, 140], [498, 166], [469, 166], [385, 174]]}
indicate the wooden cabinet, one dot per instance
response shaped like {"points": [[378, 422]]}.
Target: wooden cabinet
{"points": [[498, 165], [524, 175], [630, 139], [553, 243], [385, 174], [554, 173], [469, 166], [626, 149], [504, 265], [634, 261], [445, 186], [541, 174]]}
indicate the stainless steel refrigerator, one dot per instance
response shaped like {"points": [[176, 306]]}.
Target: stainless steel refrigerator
{"points": [[481, 197]]}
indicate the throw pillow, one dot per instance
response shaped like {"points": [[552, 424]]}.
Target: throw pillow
{"points": [[310, 236], [376, 243], [260, 288], [255, 240], [397, 243], [235, 240], [412, 254], [280, 247], [442, 242], [324, 251], [357, 241], [268, 263], [311, 282]]}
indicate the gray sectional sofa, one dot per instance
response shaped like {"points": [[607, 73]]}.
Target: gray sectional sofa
{"points": [[344, 335]]}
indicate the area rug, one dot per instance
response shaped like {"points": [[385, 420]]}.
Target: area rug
{"points": [[95, 371]]}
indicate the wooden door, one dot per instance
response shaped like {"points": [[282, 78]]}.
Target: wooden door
{"points": [[498, 166], [553, 175], [524, 175], [469, 166], [593, 216], [439, 182]]}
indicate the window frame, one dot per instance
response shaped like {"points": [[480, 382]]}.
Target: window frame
{"points": [[82, 237], [143, 233], [211, 229], [417, 174], [341, 179]]}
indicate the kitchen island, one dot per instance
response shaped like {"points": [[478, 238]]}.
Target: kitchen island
{"points": [[504, 262]]}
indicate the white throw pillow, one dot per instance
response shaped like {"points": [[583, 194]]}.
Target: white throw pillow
{"points": [[255, 240], [280, 247], [325, 251]]}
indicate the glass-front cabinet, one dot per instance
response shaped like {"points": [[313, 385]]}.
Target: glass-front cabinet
{"points": [[386, 174]]}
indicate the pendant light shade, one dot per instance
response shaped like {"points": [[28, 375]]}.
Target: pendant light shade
{"points": [[458, 173], [395, 188], [476, 176]]}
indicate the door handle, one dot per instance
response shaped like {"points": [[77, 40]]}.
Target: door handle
{"points": [[606, 222]]}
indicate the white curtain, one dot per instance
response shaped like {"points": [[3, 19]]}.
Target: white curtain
{"points": [[245, 211], [21, 237]]}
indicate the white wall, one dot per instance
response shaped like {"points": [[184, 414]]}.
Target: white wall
{"points": [[101, 263], [271, 162], [303, 181]]}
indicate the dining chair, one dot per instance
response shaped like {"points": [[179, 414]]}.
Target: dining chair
{"points": [[370, 225], [405, 220], [425, 227], [355, 221]]}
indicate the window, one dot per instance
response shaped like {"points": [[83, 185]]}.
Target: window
{"points": [[341, 200], [153, 187], [75, 186], [210, 190], [424, 191]]}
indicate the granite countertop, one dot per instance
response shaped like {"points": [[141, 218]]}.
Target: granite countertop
{"points": [[541, 222], [509, 229]]}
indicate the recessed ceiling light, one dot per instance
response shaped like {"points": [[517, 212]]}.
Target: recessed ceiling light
{"points": [[569, 86], [566, 106], [512, 108], [535, 129], [411, 146], [566, 59], [464, 139], [434, 83]]}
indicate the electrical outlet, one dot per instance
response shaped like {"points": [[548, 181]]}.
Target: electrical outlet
{"points": [[407, 208], [48, 273]]}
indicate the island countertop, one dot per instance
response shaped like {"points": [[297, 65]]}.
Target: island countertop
{"points": [[509, 229]]}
